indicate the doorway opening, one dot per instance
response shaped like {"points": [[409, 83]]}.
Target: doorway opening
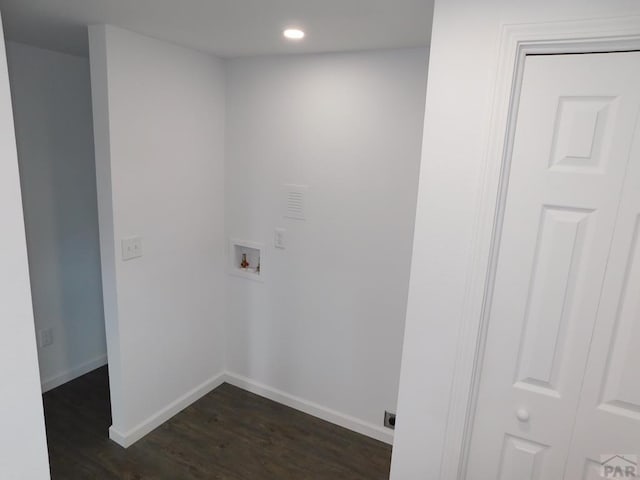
{"points": [[51, 98]]}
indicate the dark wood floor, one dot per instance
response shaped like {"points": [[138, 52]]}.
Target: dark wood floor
{"points": [[229, 434]]}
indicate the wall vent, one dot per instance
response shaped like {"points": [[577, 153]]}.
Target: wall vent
{"points": [[295, 201]]}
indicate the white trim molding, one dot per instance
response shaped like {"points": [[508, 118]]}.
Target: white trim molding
{"points": [[126, 439], [354, 424], [73, 373], [517, 41]]}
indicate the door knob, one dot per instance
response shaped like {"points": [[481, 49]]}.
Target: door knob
{"points": [[522, 415]]}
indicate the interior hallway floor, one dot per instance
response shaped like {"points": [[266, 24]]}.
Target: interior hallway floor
{"points": [[228, 434]]}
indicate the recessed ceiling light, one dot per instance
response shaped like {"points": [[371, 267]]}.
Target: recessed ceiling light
{"points": [[293, 34]]}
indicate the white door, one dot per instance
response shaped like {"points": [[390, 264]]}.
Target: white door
{"points": [[608, 419], [576, 124]]}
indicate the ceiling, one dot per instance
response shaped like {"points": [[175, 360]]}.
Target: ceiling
{"points": [[228, 28]]}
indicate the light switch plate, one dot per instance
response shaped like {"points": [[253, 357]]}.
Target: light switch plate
{"points": [[45, 337], [131, 248], [279, 240]]}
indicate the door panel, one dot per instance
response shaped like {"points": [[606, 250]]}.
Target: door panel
{"points": [[575, 127], [582, 127], [559, 254], [520, 459], [608, 418], [620, 390]]}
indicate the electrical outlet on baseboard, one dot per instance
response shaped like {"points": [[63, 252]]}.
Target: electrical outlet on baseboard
{"points": [[45, 337]]}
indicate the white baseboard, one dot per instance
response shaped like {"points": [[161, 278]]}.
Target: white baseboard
{"points": [[346, 421], [126, 439], [75, 372]]}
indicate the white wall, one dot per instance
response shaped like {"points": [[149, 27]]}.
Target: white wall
{"points": [[159, 125], [23, 448], [54, 131], [324, 330], [462, 71]]}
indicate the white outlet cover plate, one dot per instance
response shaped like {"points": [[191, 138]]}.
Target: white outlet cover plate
{"points": [[131, 248], [45, 337]]}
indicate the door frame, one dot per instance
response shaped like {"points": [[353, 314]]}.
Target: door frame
{"points": [[516, 42]]}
